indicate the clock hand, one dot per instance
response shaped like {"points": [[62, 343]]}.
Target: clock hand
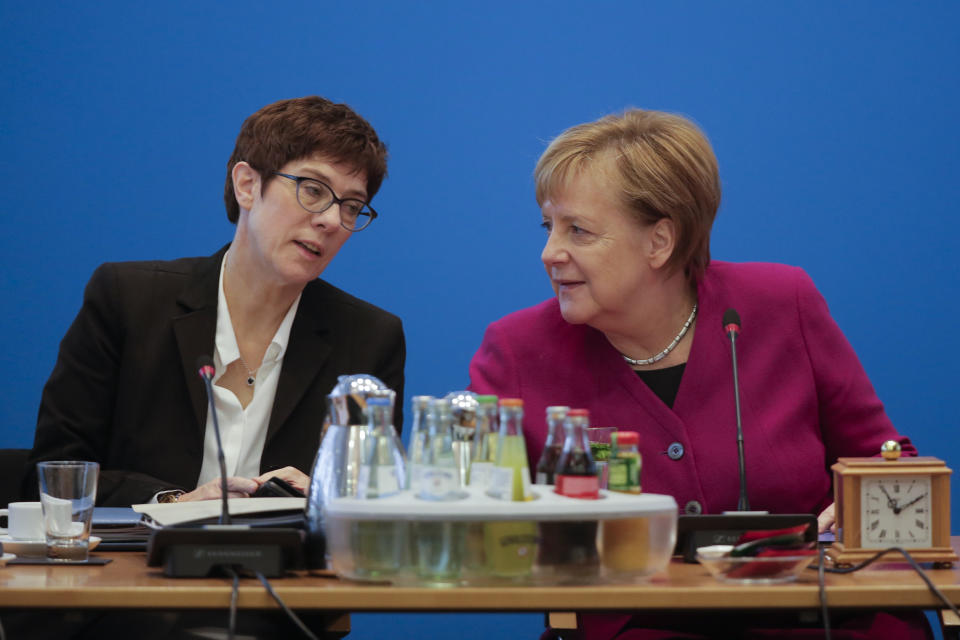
{"points": [[914, 501], [890, 501]]}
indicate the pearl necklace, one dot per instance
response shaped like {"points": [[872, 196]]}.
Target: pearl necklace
{"points": [[663, 354]]}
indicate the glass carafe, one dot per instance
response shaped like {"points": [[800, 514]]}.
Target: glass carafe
{"points": [[336, 467]]}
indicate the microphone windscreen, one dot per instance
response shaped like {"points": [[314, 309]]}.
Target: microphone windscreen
{"points": [[204, 361], [730, 316]]}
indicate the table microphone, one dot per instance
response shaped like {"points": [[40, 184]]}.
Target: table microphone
{"points": [[731, 326], [192, 551], [206, 370], [694, 531]]}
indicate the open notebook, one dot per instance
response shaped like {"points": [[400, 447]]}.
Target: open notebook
{"points": [[129, 528], [252, 511]]}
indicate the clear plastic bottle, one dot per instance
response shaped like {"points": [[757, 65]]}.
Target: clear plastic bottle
{"points": [[484, 442], [547, 466]]}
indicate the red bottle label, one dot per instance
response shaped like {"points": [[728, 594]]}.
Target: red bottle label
{"points": [[578, 486]]}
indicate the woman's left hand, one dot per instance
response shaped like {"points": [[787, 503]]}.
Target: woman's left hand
{"points": [[291, 475], [827, 520]]}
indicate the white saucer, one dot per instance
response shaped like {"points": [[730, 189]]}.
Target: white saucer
{"points": [[33, 548], [6, 558]]}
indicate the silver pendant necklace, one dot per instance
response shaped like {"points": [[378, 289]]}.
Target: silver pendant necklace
{"points": [[251, 373], [663, 354]]}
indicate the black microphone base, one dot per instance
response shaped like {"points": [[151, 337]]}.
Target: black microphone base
{"points": [[201, 551], [698, 531]]}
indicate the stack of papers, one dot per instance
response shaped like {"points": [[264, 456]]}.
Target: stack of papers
{"points": [[119, 528]]}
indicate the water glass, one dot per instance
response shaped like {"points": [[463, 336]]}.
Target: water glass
{"points": [[67, 493], [600, 448]]}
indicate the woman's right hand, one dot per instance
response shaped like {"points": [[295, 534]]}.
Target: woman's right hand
{"points": [[236, 488]]}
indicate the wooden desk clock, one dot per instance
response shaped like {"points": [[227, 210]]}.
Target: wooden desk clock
{"points": [[892, 502]]}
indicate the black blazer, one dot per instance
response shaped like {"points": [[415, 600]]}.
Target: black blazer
{"points": [[125, 391]]}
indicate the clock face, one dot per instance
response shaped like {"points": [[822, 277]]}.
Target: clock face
{"points": [[895, 511]]}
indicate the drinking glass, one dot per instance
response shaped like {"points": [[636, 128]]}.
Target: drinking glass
{"points": [[600, 445], [67, 493]]}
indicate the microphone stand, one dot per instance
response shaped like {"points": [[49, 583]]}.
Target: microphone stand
{"points": [[206, 374], [733, 330]]}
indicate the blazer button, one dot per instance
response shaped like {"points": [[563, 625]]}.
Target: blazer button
{"points": [[675, 451], [693, 508]]}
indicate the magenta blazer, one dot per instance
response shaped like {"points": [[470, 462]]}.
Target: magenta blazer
{"points": [[805, 401], [805, 397]]}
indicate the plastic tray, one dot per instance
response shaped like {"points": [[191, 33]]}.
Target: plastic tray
{"points": [[481, 540]]}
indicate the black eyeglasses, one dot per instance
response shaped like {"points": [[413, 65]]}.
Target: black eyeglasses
{"points": [[317, 197]]}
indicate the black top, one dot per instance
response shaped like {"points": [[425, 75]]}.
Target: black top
{"points": [[664, 382]]}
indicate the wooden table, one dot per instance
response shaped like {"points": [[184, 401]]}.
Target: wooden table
{"points": [[128, 583]]}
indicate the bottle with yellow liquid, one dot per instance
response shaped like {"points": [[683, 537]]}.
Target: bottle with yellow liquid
{"points": [[511, 546], [625, 541]]}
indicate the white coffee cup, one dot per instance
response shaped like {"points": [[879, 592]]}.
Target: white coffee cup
{"points": [[24, 521], [58, 521]]}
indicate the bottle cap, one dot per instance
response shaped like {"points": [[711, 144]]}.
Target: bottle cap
{"points": [[511, 402], [557, 411], [627, 437], [488, 399], [578, 413]]}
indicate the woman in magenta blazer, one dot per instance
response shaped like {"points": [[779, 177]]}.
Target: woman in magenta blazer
{"points": [[635, 334]]}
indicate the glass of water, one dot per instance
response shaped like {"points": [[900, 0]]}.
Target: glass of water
{"points": [[67, 493], [600, 449]]}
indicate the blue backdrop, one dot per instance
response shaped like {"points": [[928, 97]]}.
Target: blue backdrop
{"points": [[834, 123]]}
